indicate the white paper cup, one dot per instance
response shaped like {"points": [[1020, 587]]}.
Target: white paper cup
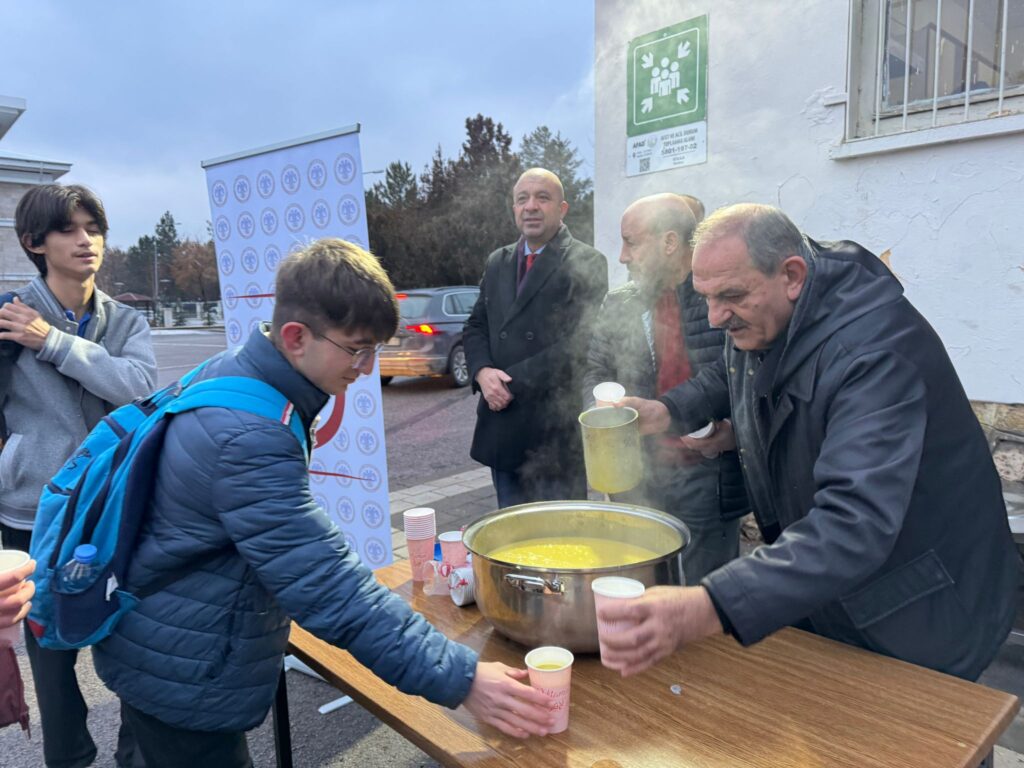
{"points": [[608, 588], [550, 669], [453, 551], [9, 560], [608, 393]]}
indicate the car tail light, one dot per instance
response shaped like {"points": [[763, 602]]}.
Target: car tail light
{"points": [[401, 296], [424, 328]]}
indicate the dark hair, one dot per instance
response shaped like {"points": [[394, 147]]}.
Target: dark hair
{"points": [[49, 208], [332, 283]]}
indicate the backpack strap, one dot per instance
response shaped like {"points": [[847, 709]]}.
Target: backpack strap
{"points": [[239, 393], [242, 393]]}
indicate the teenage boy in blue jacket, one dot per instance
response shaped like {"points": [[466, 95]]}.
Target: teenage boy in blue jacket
{"points": [[196, 665]]}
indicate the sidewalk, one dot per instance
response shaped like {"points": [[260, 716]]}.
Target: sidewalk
{"points": [[458, 500]]}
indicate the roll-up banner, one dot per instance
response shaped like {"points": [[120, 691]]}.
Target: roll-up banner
{"points": [[264, 204]]}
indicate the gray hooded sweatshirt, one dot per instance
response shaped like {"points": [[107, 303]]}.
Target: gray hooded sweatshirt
{"points": [[58, 394]]}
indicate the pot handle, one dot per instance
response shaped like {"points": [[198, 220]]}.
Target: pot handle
{"points": [[535, 584]]}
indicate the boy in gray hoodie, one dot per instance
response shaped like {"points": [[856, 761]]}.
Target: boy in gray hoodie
{"points": [[75, 355]]}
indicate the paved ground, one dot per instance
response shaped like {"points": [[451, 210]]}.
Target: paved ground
{"points": [[351, 736]]}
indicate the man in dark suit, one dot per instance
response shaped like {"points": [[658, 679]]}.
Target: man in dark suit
{"points": [[526, 343]]}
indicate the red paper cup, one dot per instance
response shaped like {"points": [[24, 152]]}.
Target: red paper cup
{"points": [[550, 670], [609, 588], [9, 560], [453, 551], [421, 552]]}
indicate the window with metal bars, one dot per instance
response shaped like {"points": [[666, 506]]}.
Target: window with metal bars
{"points": [[918, 64]]}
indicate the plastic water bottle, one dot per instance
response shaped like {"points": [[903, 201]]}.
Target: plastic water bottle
{"points": [[80, 571]]}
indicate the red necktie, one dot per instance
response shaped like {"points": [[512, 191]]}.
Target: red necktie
{"points": [[527, 263]]}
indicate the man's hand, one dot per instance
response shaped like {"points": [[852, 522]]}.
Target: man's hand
{"points": [[654, 414], [499, 699], [493, 383], [724, 439], [664, 619], [670, 455], [20, 323], [15, 594]]}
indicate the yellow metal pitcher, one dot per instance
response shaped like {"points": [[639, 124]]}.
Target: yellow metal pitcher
{"points": [[611, 448]]}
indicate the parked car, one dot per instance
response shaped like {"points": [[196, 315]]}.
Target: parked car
{"points": [[429, 337]]}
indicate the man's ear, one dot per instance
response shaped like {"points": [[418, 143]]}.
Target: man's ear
{"points": [[794, 270], [26, 242], [564, 208], [294, 338], [670, 241]]}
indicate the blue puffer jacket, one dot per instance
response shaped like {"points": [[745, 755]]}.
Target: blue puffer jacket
{"points": [[205, 653]]}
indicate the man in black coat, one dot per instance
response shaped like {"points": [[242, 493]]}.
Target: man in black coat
{"points": [[526, 342], [868, 472], [652, 334]]}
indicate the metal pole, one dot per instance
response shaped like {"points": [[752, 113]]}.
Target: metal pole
{"points": [[906, 61], [970, 67], [938, 54], [156, 283], [1002, 57]]}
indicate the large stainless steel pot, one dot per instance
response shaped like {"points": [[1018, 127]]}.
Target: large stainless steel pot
{"points": [[555, 606]]}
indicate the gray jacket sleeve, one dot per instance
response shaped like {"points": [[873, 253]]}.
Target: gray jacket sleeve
{"points": [[600, 354], [864, 475], [116, 379], [301, 558]]}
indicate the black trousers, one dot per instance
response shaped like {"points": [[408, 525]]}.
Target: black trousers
{"points": [[62, 709], [164, 746]]}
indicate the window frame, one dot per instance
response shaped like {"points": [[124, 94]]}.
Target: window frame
{"points": [[921, 122]]}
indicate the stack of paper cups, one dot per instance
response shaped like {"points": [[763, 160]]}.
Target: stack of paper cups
{"points": [[420, 528]]}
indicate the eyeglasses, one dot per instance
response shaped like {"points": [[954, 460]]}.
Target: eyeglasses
{"points": [[360, 357]]}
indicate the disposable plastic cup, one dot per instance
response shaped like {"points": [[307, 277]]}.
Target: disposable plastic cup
{"points": [[550, 669], [9, 560], [421, 552], [453, 551], [608, 393], [706, 431], [606, 589]]}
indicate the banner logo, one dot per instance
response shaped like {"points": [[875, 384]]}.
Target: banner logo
{"points": [[242, 189], [345, 168], [317, 174], [291, 179]]}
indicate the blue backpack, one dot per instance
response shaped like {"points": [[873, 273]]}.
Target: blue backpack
{"points": [[101, 497]]}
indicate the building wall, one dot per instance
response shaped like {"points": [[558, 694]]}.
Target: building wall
{"points": [[952, 214], [15, 268]]}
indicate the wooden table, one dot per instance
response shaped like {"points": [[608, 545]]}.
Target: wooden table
{"points": [[794, 699]]}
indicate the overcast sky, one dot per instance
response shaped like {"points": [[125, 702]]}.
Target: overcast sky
{"points": [[135, 94]]}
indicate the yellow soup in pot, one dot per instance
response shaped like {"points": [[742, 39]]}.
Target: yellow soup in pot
{"points": [[572, 552]]}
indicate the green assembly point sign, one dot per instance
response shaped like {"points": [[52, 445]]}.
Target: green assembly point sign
{"points": [[667, 77]]}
